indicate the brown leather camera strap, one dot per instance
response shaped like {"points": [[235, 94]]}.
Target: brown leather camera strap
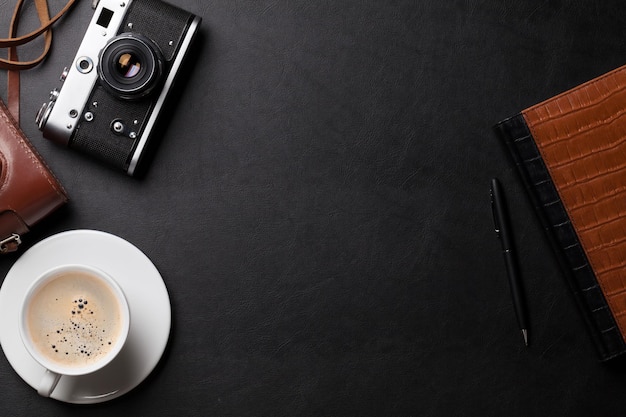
{"points": [[12, 63]]}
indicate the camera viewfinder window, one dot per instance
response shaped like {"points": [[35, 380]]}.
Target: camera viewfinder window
{"points": [[105, 18]]}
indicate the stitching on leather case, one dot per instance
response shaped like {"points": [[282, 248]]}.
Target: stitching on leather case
{"points": [[33, 154], [4, 166]]}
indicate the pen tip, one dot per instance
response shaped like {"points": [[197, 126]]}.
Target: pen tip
{"points": [[525, 335]]}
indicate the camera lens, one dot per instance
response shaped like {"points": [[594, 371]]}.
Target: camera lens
{"points": [[130, 65]]}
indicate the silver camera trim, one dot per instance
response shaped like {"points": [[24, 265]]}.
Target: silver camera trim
{"points": [[78, 85], [156, 111]]}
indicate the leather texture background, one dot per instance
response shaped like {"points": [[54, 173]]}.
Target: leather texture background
{"points": [[319, 210]]}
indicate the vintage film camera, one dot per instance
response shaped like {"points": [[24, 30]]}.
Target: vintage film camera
{"points": [[117, 85]]}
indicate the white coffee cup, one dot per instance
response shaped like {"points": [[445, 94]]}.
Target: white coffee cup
{"points": [[74, 321]]}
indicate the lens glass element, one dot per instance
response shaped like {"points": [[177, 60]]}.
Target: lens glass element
{"points": [[130, 66]]}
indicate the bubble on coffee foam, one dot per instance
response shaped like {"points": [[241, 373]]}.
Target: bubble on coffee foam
{"points": [[84, 336]]}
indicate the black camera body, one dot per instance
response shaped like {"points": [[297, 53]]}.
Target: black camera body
{"points": [[116, 88]]}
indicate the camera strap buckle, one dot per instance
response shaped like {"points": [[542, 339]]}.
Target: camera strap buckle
{"points": [[10, 244]]}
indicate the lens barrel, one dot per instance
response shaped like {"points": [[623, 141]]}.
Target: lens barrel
{"points": [[130, 66]]}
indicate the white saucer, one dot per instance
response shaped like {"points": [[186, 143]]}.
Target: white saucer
{"points": [[150, 312]]}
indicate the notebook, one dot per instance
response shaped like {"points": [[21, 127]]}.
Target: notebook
{"points": [[570, 152]]}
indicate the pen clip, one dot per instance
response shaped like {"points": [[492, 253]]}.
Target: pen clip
{"points": [[494, 211]]}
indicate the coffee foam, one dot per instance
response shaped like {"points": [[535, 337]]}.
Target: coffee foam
{"points": [[74, 320]]}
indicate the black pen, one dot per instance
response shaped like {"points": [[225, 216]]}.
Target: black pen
{"points": [[503, 230]]}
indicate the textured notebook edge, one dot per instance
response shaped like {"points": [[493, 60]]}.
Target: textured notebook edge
{"points": [[542, 192]]}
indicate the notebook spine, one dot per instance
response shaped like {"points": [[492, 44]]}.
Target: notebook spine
{"points": [[514, 132]]}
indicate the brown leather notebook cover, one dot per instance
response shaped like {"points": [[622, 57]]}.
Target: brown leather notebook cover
{"points": [[570, 151]]}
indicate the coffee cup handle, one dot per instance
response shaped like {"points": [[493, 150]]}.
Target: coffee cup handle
{"points": [[48, 383]]}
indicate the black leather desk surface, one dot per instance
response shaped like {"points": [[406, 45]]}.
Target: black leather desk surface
{"points": [[319, 210]]}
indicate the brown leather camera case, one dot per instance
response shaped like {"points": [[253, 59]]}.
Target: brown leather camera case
{"points": [[28, 190]]}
